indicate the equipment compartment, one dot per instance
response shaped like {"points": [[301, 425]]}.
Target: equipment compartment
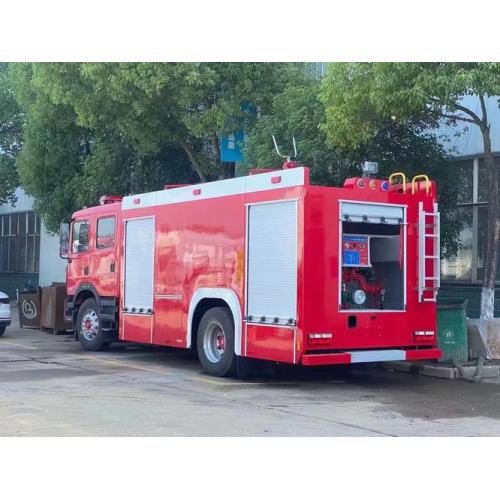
{"points": [[372, 272]]}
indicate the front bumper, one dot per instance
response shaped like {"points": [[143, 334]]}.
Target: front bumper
{"points": [[348, 357]]}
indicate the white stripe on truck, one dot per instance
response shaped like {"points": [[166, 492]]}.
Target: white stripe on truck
{"points": [[382, 355]]}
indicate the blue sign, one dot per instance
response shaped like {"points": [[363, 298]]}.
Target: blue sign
{"points": [[231, 147]]}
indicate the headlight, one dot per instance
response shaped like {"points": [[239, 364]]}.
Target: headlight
{"points": [[359, 297]]}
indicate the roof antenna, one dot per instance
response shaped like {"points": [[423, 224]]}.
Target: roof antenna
{"points": [[288, 158], [288, 163]]}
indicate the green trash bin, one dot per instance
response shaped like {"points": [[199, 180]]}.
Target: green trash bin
{"points": [[452, 329]]}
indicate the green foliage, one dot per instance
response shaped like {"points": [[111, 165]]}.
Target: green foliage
{"points": [[92, 128], [298, 111], [359, 96], [10, 140], [156, 104]]}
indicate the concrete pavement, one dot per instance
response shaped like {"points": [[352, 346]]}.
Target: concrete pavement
{"points": [[50, 386]]}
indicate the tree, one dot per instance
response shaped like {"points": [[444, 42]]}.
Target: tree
{"points": [[360, 96], [10, 142], [65, 165], [298, 111], [154, 104], [92, 128]]}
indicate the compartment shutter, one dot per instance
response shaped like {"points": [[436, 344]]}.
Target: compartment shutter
{"points": [[272, 263], [371, 213], [139, 257]]}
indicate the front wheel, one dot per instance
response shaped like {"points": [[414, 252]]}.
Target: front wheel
{"points": [[215, 342], [88, 327]]}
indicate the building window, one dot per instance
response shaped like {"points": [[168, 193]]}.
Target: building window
{"points": [[459, 267], [19, 242], [467, 266]]}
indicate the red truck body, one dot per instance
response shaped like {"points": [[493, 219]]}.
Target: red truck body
{"points": [[308, 274]]}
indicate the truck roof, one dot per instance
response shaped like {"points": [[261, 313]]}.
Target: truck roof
{"points": [[110, 207]]}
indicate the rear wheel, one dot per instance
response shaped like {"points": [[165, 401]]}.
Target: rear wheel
{"points": [[88, 327], [215, 342], [2, 329]]}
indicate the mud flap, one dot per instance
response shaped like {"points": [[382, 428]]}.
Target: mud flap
{"points": [[249, 368]]}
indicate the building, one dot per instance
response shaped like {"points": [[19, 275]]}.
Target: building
{"points": [[29, 254], [463, 274]]}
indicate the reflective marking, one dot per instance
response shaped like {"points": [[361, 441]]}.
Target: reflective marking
{"points": [[228, 187], [383, 355]]}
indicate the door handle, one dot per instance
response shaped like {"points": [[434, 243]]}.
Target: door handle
{"points": [[112, 267]]}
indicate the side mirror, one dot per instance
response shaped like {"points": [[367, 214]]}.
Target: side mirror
{"points": [[64, 229]]}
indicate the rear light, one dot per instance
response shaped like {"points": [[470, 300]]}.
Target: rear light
{"points": [[423, 335], [319, 338]]}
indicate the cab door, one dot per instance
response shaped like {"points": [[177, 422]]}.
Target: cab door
{"points": [[79, 254], [104, 266]]}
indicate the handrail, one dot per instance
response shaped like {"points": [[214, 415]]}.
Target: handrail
{"points": [[402, 175], [427, 183]]}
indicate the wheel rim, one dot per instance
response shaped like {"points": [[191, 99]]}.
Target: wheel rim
{"points": [[214, 343], [90, 325]]}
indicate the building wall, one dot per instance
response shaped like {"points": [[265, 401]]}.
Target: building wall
{"points": [[462, 274], [50, 267]]}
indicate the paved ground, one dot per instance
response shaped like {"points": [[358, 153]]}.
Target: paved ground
{"points": [[49, 386]]}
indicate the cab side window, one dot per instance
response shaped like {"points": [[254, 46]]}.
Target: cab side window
{"points": [[80, 237], [105, 232]]}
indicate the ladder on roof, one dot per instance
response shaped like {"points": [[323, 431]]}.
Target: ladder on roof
{"points": [[429, 266]]}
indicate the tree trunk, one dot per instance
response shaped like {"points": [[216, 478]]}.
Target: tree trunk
{"points": [[192, 158], [217, 161], [229, 168], [493, 225]]}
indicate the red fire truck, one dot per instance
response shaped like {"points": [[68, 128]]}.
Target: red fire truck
{"points": [[265, 266]]}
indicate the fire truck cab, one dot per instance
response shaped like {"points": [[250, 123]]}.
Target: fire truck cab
{"points": [[263, 266]]}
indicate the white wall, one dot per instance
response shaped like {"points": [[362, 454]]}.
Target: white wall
{"points": [[52, 267], [24, 203]]}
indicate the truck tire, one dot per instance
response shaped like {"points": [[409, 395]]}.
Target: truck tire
{"points": [[2, 329], [88, 327], [215, 342]]}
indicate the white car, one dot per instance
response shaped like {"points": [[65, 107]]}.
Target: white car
{"points": [[4, 312]]}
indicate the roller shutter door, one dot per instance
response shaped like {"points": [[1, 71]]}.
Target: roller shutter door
{"points": [[272, 263], [139, 257]]}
